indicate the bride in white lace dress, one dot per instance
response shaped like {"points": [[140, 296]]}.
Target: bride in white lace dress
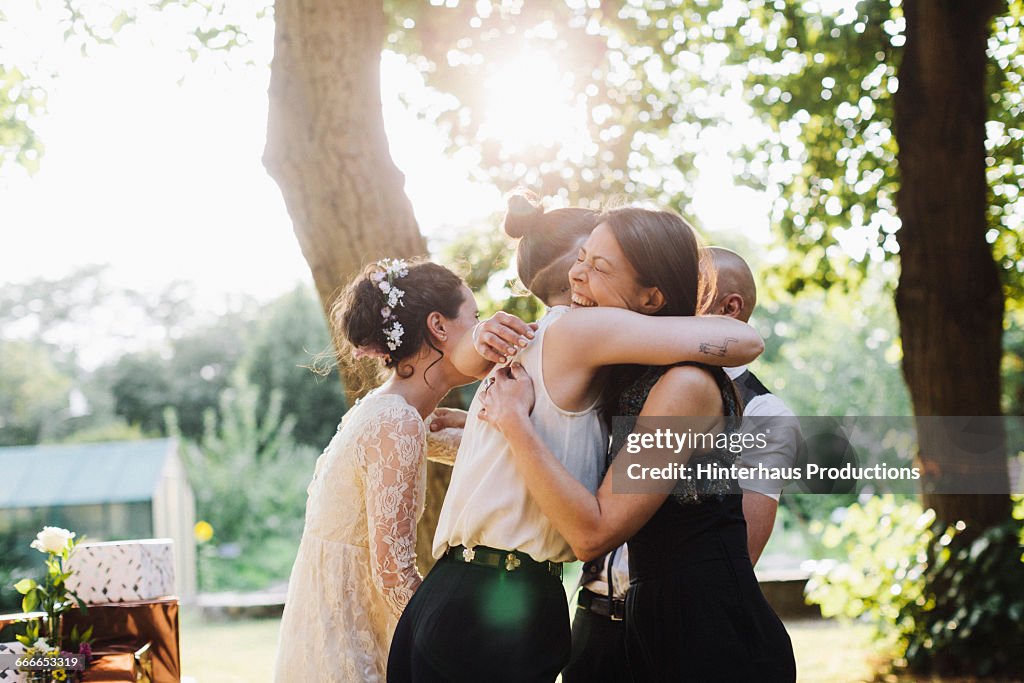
{"points": [[356, 566]]}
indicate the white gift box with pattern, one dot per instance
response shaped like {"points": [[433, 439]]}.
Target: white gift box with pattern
{"points": [[122, 571], [12, 675]]}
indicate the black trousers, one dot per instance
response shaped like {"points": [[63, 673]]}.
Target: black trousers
{"points": [[472, 623], [598, 650]]}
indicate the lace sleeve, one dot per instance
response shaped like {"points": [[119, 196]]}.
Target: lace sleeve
{"points": [[394, 497], [443, 445]]}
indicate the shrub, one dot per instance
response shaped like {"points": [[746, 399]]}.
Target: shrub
{"points": [[939, 601]]}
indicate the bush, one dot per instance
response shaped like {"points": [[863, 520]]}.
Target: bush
{"points": [[249, 477], [939, 601], [970, 619]]}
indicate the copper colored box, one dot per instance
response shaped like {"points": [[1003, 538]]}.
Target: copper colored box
{"points": [[124, 628], [115, 666]]}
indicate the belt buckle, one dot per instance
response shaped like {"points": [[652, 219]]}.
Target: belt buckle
{"points": [[616, 609], [512, 562], [468, 554]]}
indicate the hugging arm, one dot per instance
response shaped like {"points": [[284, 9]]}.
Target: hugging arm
{"points": [[492, 341], [444, 437], [622, 336], [592, 524]]}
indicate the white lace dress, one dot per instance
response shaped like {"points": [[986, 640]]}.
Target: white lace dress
{"points": [[356, 566]]}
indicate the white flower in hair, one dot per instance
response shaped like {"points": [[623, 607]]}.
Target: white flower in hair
{"points": [[394, 335], [395, 297], [391, 270]]}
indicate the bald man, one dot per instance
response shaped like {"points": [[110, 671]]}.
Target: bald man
{"points": [[736, 296]]}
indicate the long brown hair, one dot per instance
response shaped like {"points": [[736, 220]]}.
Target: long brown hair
{"points": [[665, 252]]}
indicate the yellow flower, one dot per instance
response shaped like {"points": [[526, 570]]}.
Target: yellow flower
{"points": [[59, 675], [203, 531]]}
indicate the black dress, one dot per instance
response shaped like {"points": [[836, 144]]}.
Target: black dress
{"points": [[695, 611]]}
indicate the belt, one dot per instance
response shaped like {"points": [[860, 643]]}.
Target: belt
{"points": [[506, 560], [602, 605]]}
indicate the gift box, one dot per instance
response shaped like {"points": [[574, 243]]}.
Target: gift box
{"points": [[12, 675], [122, 571], [127, 628], [121, 665]]}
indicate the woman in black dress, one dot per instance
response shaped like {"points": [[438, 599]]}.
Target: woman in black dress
{"points": [[695, 611]]}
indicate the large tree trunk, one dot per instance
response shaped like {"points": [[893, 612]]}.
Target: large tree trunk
{"points": [[949, 298], [327, 150]]}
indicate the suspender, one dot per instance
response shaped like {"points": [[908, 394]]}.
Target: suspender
{"points": [[608, 573]]}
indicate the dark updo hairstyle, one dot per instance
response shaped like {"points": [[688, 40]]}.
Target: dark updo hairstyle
{"points": [[548, 242], [357, 321], [665, 252]]}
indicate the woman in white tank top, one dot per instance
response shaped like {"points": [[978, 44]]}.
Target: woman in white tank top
{"points": [[493, 607]]}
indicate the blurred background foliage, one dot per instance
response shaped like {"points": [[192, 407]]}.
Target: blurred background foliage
{"points": [[802, 92]]}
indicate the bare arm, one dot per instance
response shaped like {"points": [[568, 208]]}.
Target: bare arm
{"points": [[628, 337], [444, 437], [591, 524], [759, 511]]}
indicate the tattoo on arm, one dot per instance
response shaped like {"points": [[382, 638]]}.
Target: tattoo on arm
{"points": [[715, 349]]}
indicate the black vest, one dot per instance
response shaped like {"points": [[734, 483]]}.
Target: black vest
{"points": [[749, 387]]}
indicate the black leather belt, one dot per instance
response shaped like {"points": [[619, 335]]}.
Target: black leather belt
{"points": [[505, 560], [602, 605]]}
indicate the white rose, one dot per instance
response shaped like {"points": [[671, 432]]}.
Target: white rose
{"points": [[41, 644], [52, 539]]}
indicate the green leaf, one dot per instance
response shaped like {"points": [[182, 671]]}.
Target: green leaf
{"points": [[87, 635], [25, 585], [29, 602], [81, 603]]}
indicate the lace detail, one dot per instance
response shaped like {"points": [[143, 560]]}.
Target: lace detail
{"points": [[392, 451], [356, 566]]}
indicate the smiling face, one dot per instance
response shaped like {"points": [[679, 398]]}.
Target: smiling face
{"points": [[603, 276]]}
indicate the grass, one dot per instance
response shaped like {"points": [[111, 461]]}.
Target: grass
{"points": [[243, 651], [228, 651], [832, 652]]}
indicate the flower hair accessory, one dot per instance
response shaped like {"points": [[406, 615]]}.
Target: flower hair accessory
{"points": [[391, 270]]}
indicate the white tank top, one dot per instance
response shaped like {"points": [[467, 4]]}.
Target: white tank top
{"points": [[487, 501]]}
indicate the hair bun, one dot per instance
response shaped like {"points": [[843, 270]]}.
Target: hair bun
{"points": [[524, 212]]}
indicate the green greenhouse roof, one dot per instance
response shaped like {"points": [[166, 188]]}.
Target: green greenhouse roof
{"points": [[81, 474]]}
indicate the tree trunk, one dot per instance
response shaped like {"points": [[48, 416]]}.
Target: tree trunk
{"points": [[949, 298], [327, 150]]}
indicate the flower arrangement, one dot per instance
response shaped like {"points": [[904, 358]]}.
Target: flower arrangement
{"points": [[53, 597]]}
